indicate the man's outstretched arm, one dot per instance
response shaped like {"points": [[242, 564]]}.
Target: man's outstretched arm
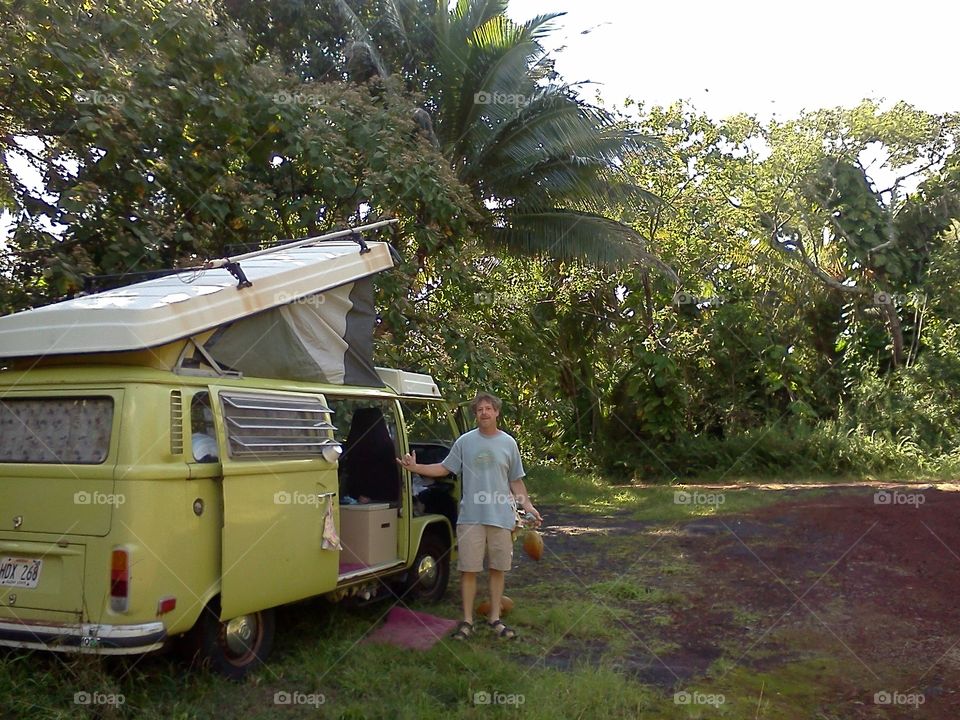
{"points": [[437, 470]]}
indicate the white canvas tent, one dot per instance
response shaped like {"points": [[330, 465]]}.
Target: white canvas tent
{"points": [[306, 313]]}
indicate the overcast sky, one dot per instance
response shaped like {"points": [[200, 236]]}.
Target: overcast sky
{"points": [[760, 57]]}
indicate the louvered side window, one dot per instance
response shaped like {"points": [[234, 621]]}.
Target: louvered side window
{"points": [[276, 426]]}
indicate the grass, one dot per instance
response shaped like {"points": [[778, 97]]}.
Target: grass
{"points": [[567, 664], [627, 589], [591, 493]]}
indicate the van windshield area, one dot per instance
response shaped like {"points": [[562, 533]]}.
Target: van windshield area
{"points": [[367, 430], [431, 431], [61, 430]]}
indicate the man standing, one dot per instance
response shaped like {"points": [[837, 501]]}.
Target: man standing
{"points": [[491, 474]]}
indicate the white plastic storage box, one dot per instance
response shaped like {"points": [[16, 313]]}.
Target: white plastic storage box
{"points": [[368, 533]]}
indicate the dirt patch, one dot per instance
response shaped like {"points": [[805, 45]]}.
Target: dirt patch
{"points": [[866, 579]]}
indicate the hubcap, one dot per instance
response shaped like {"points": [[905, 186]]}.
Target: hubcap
{"points": [[427, 570], [240, 633]]}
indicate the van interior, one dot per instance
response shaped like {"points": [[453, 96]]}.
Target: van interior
{"points": [[371, 482]]}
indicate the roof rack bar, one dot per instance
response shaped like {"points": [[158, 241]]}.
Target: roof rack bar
{"points": [[299, 243]]}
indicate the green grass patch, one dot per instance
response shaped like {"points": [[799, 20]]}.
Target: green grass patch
{"points": [[336, 678], [792, 690], [627, 589], [587, 618], [592, 494]]}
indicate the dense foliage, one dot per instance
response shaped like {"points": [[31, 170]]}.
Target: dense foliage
{"points": [[668, 295]]}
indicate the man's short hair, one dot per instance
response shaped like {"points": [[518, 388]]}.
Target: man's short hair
{"points": [[485, 397]]}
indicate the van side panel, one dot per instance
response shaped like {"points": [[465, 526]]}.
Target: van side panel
{"points": [[66, 498], [272, 533], [174, 551]]}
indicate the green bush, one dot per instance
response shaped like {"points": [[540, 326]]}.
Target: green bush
{"points": [[783, 451], [918, 404]]}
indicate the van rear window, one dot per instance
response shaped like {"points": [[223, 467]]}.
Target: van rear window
{"points": [[71, 430]]}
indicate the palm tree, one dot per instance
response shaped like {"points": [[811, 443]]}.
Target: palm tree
{"points": [[546, 165]]}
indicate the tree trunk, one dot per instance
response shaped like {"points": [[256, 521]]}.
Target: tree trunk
{"points": [[896, 331]]}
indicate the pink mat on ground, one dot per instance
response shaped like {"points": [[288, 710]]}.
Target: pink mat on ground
{"points": [[414, 630]]}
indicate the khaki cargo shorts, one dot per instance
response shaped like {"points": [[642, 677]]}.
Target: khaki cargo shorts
{"points": [[472, 540]]}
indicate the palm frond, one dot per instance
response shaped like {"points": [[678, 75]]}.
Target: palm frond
{"points": [[493, 99], [501, 32], [540, 26], [393, 13], [558, 126], [468, 15], [580, 183], [568, 234]]}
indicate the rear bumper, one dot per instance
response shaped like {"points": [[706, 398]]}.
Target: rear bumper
{"points": [[85, 637]]}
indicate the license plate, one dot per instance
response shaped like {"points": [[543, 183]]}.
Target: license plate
{"points": [[20, 572]]}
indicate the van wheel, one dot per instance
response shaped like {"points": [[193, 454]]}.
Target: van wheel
{"points": [[430, 572], [232, 647]]}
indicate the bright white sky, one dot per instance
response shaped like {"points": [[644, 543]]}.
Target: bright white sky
{"points": [[763, 57]]}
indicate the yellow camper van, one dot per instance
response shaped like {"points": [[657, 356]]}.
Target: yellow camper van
{"points": [[180, 456]]}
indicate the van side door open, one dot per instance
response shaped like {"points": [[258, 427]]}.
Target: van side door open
{"points": [[277, 490]]}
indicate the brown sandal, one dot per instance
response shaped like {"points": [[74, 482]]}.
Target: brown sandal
{"points": [[464, 630], [503, 630]]}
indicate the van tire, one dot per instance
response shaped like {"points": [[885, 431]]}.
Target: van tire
{"points": [[430, 572], [234, 647]]}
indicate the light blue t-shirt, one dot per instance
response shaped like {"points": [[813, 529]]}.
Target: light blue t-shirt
{"points": [[486, 466]]}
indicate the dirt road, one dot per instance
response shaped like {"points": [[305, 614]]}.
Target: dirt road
{"points": [[842, 604]]}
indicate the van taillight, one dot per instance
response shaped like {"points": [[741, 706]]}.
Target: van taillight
{"points": [[119, 580]]}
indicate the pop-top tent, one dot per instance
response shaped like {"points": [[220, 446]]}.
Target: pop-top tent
{"points": [[300, 311]]}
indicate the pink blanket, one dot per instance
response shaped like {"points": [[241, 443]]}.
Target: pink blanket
{"points": [[414, 630]]}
